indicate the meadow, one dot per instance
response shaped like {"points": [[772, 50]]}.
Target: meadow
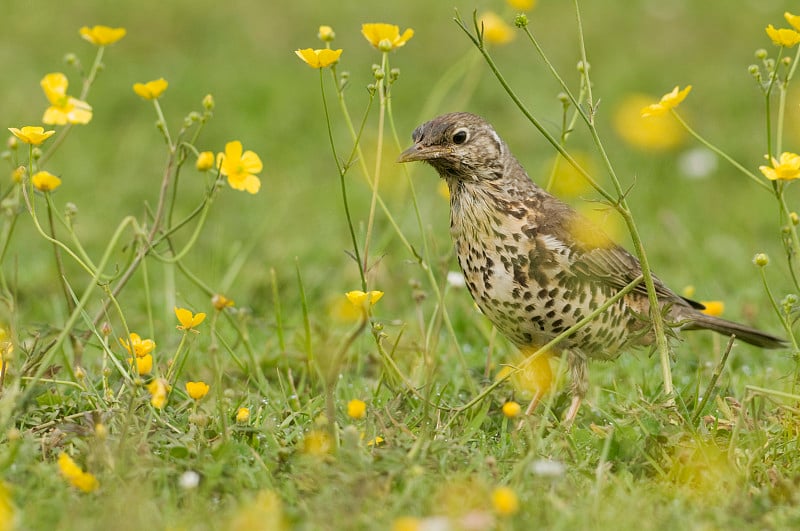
{"points": [[313, 401]]}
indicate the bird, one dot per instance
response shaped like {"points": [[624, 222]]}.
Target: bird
{"points": [[535, 267]]}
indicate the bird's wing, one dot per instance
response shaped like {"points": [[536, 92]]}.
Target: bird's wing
{"points": [[597, 258]]}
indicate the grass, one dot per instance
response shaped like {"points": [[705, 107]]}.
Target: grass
{"points": [[293, 352]]}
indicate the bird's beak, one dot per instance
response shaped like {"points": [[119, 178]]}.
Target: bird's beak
{"points": [[421, 152]]}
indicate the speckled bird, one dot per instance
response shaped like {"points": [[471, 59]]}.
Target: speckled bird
{"points": [[536, 267]]}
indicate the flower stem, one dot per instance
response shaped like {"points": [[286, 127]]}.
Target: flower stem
{"points": [[342, 183]]}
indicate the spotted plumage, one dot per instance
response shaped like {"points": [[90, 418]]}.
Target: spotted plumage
{"points": [[534, 266]]}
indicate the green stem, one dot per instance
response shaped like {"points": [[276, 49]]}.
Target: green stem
{"points": [[342, 183], [54, 348], [382, 89], [747, 173]]}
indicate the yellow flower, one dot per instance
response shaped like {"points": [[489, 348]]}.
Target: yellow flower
{"points": [[787, 168], [240, 168], [783, 36], [144, 364], [319, 58], [522, 5], [138, 346], [377, 441], [505, 501], [32, 135], [205, 161], [511, 409], [317, 443], [668, 101], [102, 35], [326, 34], [495, 29], [152, 89], [359, 299], [158, 389], [263, 512], [356, 409], [567, 182], [44, 181], [220, 302], [535, 378], [386, 37], [8, 511], [187, 319], [197, 390], [714, 308], [75, 476], [63, 108], [793, 20], [242, 415], [656, 133], [407, 523]]}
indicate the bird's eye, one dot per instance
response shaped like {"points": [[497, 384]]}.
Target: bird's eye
{"points": [[460, 136]]}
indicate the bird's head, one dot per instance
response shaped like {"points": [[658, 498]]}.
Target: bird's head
{"points": [[459, 146]]}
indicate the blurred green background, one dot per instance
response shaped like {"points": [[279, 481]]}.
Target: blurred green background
{"points": [[698, 231]]}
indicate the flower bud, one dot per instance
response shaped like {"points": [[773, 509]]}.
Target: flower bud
{"points": [[761, 259], [18, 174], [794, 218], [205, 161], [521, 20], [379, 74], [761, 53], [70, 210], [199, 419], [385, 45], [326, 34], [208, 102], [583, 67]]}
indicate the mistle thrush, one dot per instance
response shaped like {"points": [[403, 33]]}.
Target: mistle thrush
{"points": [[534, 266]]}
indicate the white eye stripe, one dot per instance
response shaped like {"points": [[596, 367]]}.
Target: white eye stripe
{"points": [[496, 137]]}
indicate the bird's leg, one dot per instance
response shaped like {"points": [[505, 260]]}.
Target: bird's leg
{"points": [[534, 402], [573, 410], [579, 385]]}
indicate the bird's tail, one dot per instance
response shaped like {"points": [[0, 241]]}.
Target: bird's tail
{"points": [[701, 321]]}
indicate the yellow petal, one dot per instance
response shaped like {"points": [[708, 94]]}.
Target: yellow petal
{"points": [[45, 181], [251, 162], [356, 298], [309, 57], [102, 35], [783, 37], [55, 87], [251, 184], [714, 308], [197, 390], [33, 135], [793, 20], [152, 89]]}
